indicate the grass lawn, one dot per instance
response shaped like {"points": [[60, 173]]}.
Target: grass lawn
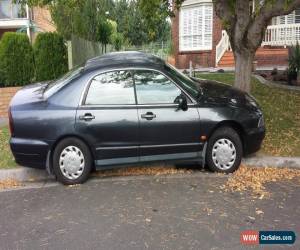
{"points": [[282, 115], [6, 157]]}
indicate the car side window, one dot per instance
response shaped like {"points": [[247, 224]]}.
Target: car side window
{"points": [[111, 88], [154, 88]]}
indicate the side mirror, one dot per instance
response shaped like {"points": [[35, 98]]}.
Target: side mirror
{"points": [[182, 102]]}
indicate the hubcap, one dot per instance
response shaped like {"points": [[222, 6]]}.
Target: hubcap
{"points": [[224, 154], [71, 162]]}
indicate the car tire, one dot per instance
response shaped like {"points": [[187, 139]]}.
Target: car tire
{"points": [[72, 161], [224, 151]]}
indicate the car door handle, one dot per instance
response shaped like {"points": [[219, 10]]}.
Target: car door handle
{"points": [[87, 117], [148, 116]]}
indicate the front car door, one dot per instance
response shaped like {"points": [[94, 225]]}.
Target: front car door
{"points": [[166, 132], [107, 118]]}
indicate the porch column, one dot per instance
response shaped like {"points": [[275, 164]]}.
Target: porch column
{"points": [[28, 32], [28, 26]]}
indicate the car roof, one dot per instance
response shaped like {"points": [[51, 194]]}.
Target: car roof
{"points": [[124, 59]]}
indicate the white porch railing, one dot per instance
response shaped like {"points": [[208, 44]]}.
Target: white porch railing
{"points": [[222, 46], [282, 35]]}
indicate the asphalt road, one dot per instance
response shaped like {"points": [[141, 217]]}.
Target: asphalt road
{"points": [[178, 212]]}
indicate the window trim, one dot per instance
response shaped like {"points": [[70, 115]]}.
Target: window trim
{"points": [[180, 29], [87, 87], [106, 105]]}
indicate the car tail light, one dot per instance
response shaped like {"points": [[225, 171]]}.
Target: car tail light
{"points": [[11, 125]]}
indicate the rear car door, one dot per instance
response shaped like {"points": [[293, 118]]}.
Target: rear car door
{"points": [[107, 118], [166, 132]]}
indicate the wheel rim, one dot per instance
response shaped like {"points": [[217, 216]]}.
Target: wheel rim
{"points": [[71, 162], [224, 154]]}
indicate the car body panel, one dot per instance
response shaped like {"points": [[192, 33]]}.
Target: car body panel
{"points": [[172, 131], [113, 133]]}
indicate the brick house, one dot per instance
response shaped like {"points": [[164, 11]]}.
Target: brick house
{"points": [[14, 17], [198, 37]]}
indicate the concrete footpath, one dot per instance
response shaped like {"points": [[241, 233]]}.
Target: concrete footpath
{"points": [[33, 175]]}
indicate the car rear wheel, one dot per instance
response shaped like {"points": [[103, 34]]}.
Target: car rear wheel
{"points": [[72, 161], [224, 151]]}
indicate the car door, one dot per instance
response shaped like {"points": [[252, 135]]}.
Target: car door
{"points": [[166, 132], [108, 118]]}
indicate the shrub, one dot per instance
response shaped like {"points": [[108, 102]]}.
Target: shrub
{"points": [[274, 72], [117, 41], [50, 56], [16, 60], [294, 63]]}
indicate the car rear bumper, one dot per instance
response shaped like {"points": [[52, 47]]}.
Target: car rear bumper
{"points": [[30, 153], [253, 140]]}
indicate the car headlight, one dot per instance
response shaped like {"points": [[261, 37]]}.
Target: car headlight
{"points": [[251, 100]]}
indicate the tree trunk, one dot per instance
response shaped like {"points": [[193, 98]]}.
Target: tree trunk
{"points": [[243, 70]]}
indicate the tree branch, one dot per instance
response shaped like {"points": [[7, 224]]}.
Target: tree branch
{"points": [[267, 11]]}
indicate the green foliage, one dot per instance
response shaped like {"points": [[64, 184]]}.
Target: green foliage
{"points": [[294, 60], [63, 14], [104, 31], [6, 158], [50, 56], [88, 19], [130, 22], [155, 14], [16, 60], [117, 41], [294, 63]]}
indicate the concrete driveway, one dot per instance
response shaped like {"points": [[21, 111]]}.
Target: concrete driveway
{"points": [[154, 212]]}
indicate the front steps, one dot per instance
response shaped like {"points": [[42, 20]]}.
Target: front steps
{"points": [[265, 57]]}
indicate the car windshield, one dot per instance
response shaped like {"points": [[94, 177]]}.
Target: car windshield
{"points": [[54, 86], [187, 83]]}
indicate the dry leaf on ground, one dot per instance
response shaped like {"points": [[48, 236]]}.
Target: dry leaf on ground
{"points": [[148, 170], [9, 183], [254, 179]]}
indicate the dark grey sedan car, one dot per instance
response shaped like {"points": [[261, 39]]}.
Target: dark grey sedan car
{"points": [[130, 107]]}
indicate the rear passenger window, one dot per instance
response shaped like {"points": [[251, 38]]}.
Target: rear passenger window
{"points": [[111, 88]]}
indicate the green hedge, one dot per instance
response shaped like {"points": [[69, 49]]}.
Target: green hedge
{"points": [[50, 56], [16, 60]]}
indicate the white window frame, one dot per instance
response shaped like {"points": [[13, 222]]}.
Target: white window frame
{"points": [[190, 10]]}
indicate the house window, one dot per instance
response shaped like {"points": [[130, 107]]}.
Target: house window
{"points": [[10, 10], [195, 27]]}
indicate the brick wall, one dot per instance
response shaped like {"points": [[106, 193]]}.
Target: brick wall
{"points": [[6, 95], [198, 58], [42, 20]]}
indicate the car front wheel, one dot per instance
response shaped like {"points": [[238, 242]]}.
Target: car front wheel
{"points": [[72, 161], [224, 150]]}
